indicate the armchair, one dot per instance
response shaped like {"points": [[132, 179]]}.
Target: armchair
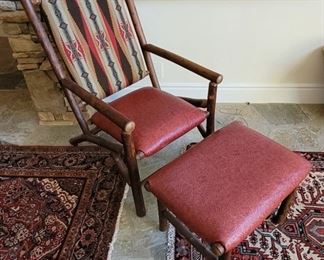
{"points": [[104, 49]]}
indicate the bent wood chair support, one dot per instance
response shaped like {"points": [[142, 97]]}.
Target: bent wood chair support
{"points": [[124, 153], [211, 107], [215, 250], [141, 37], [202, 131]]}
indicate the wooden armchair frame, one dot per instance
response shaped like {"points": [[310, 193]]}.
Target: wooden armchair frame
{"points": [[124, 153]]}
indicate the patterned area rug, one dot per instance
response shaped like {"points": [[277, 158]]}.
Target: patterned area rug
{"points": [[300, 237], [58, 203]]}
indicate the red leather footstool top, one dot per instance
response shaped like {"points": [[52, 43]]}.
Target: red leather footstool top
{"points": [[225, 186]]}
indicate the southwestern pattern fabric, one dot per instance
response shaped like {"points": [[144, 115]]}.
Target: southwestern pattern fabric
{"points": [[98, 43], [299, 238], [58, 202]]}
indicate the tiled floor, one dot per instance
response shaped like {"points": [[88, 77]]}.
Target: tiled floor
{"points": [[299, 127]]}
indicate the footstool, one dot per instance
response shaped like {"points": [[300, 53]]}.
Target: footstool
{"points": [[224, 187]]}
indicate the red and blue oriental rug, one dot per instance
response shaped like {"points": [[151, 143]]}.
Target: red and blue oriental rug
{"points": [[58, 203], [301, 237]]}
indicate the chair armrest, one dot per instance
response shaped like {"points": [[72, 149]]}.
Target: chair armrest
{"points": [[107, 110], [185, 63]]}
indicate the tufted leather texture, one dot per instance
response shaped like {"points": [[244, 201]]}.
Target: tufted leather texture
{"points": [[225, 186], [160, 118]]}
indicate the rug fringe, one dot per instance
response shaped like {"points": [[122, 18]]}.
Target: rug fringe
{"points": [[114, 238], [171, 234]]}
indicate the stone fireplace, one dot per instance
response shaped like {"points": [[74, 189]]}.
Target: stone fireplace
{"points": [[45, 91]]}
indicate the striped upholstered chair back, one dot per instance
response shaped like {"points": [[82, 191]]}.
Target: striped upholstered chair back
{"points": [[98, 43]]}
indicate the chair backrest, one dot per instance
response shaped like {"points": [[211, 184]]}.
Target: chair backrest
{"points": [[98, 43]]}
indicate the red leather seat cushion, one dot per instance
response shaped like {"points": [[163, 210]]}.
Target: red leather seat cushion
{"points": [[225, 186], [160, 118]]}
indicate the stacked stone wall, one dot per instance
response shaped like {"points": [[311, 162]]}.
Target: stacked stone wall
{"points": [[44, 88]]}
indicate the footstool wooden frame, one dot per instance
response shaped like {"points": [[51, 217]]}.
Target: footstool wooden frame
{"points": [[169, 186], [215, 250]]}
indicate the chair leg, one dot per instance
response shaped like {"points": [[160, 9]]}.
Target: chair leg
{"points": [[136, 187], [134, 177], [283, 210], [163, 222]]}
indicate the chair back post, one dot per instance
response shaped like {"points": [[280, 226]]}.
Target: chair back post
{"points": [[142, 40], [52, 56], [44, 39], [77, 111]]}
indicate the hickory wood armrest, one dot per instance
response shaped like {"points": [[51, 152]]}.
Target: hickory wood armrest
{"points": [[107, 110], [185, 63]]}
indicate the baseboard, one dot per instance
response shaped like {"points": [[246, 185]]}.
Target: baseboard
{"points": [[262, 93], [241, 93]]}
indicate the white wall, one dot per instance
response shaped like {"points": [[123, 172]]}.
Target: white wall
{"points": [[267, 50]]}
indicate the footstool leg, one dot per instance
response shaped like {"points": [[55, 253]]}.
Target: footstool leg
{"points": [[283, 210], [163, 222], [226, 256]]}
